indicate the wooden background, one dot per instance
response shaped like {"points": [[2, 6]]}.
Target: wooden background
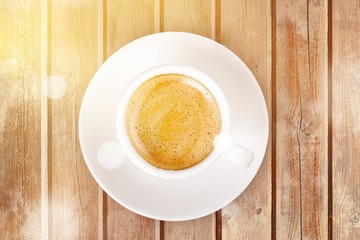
{"points": [[305, 55]]}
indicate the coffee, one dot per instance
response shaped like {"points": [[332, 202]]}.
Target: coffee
{"points": [[172, 120]]}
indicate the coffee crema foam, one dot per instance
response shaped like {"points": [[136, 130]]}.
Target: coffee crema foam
{"points": [[172, 120]]}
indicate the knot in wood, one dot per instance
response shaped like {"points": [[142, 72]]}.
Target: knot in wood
{"points": [[258, 210], [355, 218], [227, 217]]}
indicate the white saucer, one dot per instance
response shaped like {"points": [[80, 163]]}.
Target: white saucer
{"points": [[171, 199]]}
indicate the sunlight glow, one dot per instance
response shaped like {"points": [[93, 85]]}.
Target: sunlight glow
{"points": [[56, 87], [110, 155]]}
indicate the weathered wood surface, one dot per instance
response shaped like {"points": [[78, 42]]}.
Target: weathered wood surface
{"points": [[72, 60], [346, 119], [301, 120], [20, 120], [305, 55]]}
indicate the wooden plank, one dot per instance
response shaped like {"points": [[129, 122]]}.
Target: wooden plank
{"points": [[346, 119], [301, 130], [73, 59], [20, 120], [125, 21], [189, 16], [195, 17], [202, 228], [249, 36]]}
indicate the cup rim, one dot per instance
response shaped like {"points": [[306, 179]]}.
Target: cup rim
{"points": [[124, 140]]}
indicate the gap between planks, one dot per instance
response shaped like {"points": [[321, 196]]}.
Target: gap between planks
{"points": [[216, 20], [48, 168], [158, 16], [158, 27], [330, 135], [273, 119], [44, 201], [216, 36], [101, 48]]}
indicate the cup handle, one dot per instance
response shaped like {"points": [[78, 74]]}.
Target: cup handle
{"points": [[235, 153]]}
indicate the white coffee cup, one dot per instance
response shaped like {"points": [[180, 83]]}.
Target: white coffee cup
{"points": [[225, 148]]}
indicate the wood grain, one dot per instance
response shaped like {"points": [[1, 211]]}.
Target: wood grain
{"points": [[190, 16], [202, 228], [195, 17], [125, 21], [346, 119], [20, 133], [249, 36], [46, 190], [73, 57], [301, 88]]}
